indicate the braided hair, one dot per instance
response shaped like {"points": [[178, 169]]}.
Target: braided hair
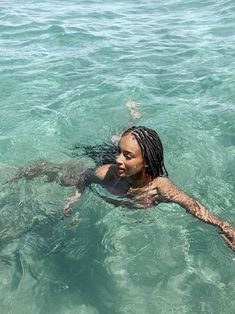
{"points": [[152, 149], [148, 140]]}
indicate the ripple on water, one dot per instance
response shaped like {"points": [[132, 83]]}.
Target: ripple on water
{"points": [[66, 73]]}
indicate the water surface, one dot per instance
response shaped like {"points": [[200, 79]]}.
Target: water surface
{"points": [[67, 69]]}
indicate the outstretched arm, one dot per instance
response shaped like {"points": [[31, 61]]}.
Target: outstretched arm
{"points": [[168, 192]]}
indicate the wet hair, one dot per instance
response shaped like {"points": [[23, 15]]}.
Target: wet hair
{"points": [[152, 149], [148, 140], [101, 154]]}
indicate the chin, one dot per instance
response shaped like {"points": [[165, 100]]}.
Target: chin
{"points": [[122, 174]]}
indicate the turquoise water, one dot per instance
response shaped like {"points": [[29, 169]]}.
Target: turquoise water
{"points": [[67, 69]]}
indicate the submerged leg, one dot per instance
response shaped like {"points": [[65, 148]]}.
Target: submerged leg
{"points": [[134, 110], [66, 173], [135, 114]]}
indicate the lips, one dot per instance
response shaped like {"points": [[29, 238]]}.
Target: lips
{"points": [[121, 170]]}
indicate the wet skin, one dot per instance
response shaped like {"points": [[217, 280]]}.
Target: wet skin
{"points": [[128, 176]]}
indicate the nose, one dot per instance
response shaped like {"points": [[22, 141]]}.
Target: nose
{"points": [[119, 159]]}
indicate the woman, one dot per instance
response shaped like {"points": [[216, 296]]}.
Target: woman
{"points": [[140, 174], [134, 170]]}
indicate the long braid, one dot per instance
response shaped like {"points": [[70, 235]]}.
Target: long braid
{"points": [[159, 152]]}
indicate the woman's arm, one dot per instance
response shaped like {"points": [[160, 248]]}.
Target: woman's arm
{"points": [[70, 201], [80, 187], [168, 192], [88, 177]]}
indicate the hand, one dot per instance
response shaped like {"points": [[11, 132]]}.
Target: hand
{"points": [[73, 199], [228, 235], [67, 209]]}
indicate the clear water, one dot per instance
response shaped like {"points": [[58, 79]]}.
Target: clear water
{"points": [[67, 68]]}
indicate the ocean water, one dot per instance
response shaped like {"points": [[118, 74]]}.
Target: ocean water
{"points": [[67, 69]]}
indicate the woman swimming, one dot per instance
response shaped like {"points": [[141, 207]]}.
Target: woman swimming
{"points": [[134, 170], [139, 173]]}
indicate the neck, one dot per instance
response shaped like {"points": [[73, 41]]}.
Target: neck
{"points": [[140, 180]]}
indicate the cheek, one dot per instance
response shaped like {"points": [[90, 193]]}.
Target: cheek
{"points": [[134, 168]]}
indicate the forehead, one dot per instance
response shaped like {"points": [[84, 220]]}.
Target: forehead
{"points": [[129, 143]]}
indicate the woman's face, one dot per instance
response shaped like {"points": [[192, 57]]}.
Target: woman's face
{"points": [[130, 160]]}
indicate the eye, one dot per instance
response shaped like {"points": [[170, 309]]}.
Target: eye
{"points": [[128, 156]]}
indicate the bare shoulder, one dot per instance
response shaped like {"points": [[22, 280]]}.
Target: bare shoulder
{"points": [[168, 191], [102, 171], [163, 183], [166, 188]]}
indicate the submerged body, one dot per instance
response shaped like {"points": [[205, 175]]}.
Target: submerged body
{"points": [[138, 178], [140, 175]]}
